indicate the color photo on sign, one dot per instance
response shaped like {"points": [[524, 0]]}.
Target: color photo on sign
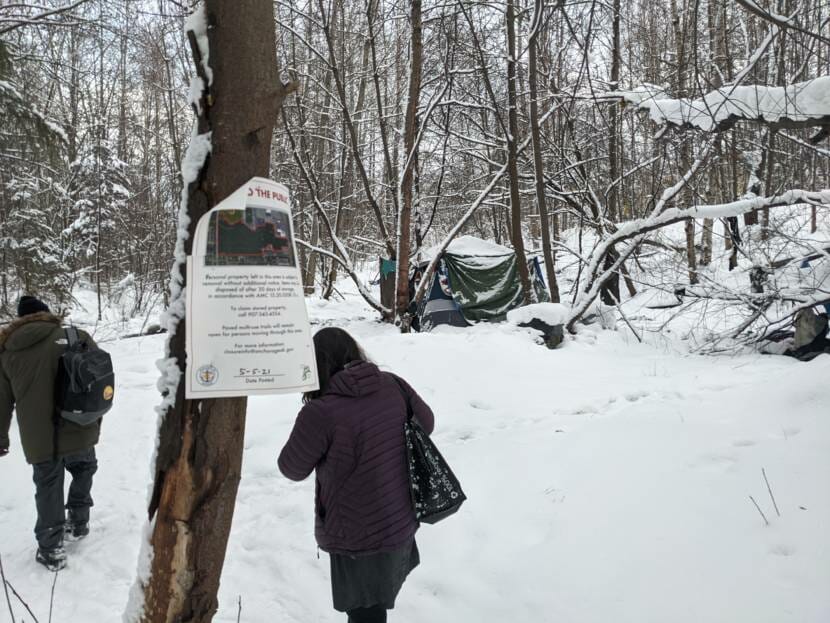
{"points": [[249, 237]]}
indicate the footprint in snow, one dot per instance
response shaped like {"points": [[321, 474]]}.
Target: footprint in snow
{"points": [[782, 550], [635, 396], [790, 431], [483, 406], [743, 443], [716, 388], [585, 410], [716, 461]]}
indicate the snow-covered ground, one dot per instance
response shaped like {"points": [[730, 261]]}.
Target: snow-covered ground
{"points": [[608, 482]]}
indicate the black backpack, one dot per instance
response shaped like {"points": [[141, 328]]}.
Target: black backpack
{"points": [[85, 384]]}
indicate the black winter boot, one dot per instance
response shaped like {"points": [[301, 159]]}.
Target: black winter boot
{"points": [[77, 524], [75, 531], [53, 559]]}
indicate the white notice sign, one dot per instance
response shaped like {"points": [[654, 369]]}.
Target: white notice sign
{"points": [[247, 323]]}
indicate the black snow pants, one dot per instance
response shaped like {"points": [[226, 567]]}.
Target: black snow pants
{"points": [[49, 495]]}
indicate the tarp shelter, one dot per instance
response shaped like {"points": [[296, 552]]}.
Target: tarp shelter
{"points": [[476, 281]]}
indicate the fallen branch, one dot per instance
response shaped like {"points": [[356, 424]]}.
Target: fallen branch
{"points": [[772, 497], [6, 589], [20, 599], [759, 509], [638, 228], [52, 596]]}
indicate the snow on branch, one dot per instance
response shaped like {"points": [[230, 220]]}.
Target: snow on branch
{"points": [[15, 21], [637, 230], [799, 105], [720, 210], [19, 107], [779, 20]]}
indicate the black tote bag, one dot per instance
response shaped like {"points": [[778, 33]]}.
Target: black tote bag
{"points": [[436, 492]]}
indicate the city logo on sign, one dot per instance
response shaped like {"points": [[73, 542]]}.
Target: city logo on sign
{"points": [[207, 375]]}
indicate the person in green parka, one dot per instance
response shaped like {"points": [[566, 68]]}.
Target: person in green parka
{"points": [[30, 348]]}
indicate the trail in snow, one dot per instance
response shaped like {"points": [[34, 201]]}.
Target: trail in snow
{"points": [[608, 482]]}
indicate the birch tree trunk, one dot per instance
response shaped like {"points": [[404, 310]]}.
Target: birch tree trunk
{"points": [[410, 158], [682, 25], [199, 457]]}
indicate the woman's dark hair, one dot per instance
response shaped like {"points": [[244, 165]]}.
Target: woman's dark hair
{"points": [[334, 349]]}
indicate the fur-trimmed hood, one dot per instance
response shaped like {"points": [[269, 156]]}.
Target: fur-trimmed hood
{"points": [[38, 327]]}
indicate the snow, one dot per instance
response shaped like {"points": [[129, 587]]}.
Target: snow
{"points": [[797, 102], [196, 23], [608, 481], [194, 158], [194, 93], [11, 92], [469, 246], [549, 313]]}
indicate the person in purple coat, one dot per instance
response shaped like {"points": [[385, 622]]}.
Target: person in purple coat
{"points": [[351, 433]]}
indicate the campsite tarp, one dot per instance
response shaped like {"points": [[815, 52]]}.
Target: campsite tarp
{"points": [[484, 287], [484, 279]]}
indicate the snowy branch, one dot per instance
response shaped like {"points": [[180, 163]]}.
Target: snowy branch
{"points": [[637, 230], [799, 105], [41, 18], [780, 20]]}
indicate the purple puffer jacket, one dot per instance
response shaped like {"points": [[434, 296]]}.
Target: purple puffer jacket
{"points": [[354, 437]]}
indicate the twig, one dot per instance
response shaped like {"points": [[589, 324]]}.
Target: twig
{"points": [[6, 589], [628, 322], [239, 611], [759, 509], [772, 497], [20, 599], [52, 596]]}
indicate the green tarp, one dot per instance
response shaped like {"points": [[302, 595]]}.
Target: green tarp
{"points": [[487, 287]]}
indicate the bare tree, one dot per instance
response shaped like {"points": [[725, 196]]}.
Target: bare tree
{"points": [[200, 441]]}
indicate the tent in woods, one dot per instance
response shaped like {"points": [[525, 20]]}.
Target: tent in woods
{"points": [[475, 281]]}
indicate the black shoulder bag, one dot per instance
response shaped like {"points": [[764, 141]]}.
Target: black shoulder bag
{"points": [[436, 492]]}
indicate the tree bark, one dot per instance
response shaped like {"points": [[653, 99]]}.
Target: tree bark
{"points": [[512, 156], [199, 457], [682, 25], [538, 166], [410, 157], [610, 293]]}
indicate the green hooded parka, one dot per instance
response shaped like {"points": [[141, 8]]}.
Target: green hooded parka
{"points": [[30, 348]]}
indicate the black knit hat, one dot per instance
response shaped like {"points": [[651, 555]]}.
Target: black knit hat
{"points": [[30, 305]]}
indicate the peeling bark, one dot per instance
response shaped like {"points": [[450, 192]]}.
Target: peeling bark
{"points": [[199, 458]]}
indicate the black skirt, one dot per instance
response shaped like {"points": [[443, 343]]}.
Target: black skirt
{"points": [[373, 579]]}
